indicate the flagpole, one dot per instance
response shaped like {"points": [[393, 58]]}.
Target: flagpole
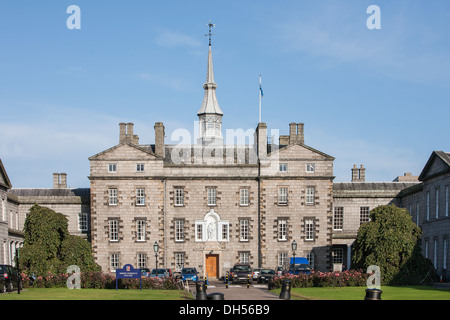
{"points": [[259, 98]]}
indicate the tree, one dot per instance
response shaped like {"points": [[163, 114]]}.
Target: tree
{"points": [[48, 246], [391, 240]]}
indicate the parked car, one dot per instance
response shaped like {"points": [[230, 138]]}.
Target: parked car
{"points": [[255, 274], [145, 272], [279, 271], [162, 273], [230, 276], [9, 278], [299, 266], [266, 275], [241, 273], [189, 274]]}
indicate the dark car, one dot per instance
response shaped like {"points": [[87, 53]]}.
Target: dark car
{"points": [[241, 273], [9, 278], [162, 273], [265, 275]]}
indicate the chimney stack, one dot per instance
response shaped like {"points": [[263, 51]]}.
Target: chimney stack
{"points": [[126, 133], [59, 181], [261, 140], [159, 139], [358, 174], [296, 133]]}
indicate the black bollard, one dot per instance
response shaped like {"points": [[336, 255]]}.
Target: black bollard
{"points": [[226, 282], [373, 294], [201, 290], [286, 290], [216, 296]]}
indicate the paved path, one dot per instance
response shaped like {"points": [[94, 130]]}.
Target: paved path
{"points": [[238, 291]]}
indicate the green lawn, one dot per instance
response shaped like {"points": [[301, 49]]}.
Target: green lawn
{"points": [[96, 294], [358, 293]]}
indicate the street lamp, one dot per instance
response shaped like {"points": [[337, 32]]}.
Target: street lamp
{"points": [[294, 247], [156, 248]]}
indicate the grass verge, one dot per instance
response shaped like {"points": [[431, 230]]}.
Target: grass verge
{"points": [[95, 294]]}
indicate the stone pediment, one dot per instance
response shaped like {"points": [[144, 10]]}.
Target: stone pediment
{"points": [[299, 151], [126, 151], [437, 164], [4, 180]]}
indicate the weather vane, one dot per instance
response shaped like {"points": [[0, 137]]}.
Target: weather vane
{"points": [[210, 34]]}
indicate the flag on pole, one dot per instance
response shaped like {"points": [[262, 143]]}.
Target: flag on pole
{"points": [[260, 87]]}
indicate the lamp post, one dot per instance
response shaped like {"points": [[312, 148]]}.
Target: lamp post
{"points": [[156, 248], [294, 247]]}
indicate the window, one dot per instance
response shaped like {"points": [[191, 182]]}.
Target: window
{"points": [[139, 167], [211, 196], [310, 195], [199, 231], [282, 258], [364, 215], [428, 205], [437, 203], [283, 167], [417, 212], [179, 197], [309, 230], [444, 262], [179, 261], [244, 197], [446, 201], [112, 168], [244, 230], [310, 257], [225, 231], [338, 219], [282, 195], [435, 253], [112, 197], [140, 230], [83, 221], [113, 230], [426, 249], [282, 230], [141, 260], [179, 230], [114, 261], [244, 257], [310, 167], [338, 255], [140, 197]]}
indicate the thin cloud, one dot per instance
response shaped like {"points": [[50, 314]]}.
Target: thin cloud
{"points": [[172, 39]]}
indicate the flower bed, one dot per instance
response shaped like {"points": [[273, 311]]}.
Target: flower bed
{"points": [[349, 278], [99, 280]]}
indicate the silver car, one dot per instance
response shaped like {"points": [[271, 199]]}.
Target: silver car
{"points": [[255, 274]]}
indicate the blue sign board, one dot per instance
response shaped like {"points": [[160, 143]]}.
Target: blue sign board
{"points": [[128, 272]]}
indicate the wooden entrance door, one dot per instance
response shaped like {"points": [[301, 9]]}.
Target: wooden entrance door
{"points": [[212, 265]]}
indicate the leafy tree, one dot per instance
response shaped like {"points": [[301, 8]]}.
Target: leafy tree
{"points": [[48, 246], [391, 240]]}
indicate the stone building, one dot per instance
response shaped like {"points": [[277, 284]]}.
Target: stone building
{"points": [[352, 202], [11, 235], [209, 205], [428, 204], [73, 203]]}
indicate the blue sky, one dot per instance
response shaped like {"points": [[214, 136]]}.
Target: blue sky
{"points": [[373, 97]]}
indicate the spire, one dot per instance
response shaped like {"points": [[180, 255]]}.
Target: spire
{"points": [[210, 115], [210, 104]]}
